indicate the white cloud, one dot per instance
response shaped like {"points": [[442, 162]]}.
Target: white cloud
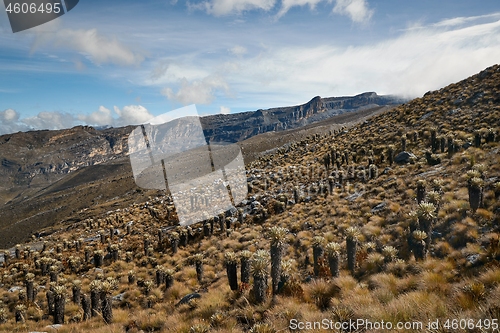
{"points": [[132, 115], [50, 120], [357, 10], [411, 64], [98, 47], [462, 20], [224, 110], [160, 70], [225, 7], [238, 50], [8, 116], [11, 122], [197, 92], [100, 118], [287, 4]]}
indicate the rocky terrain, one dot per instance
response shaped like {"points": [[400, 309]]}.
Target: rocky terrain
{"points": [[393, 219], [49, 176], [241, 126]]}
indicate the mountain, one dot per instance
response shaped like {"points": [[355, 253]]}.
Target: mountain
{"points": [[241, 126], [50, 176], [392, 217]]}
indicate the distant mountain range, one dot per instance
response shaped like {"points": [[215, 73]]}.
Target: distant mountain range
{"points": [[240, 126], [48, 176]]}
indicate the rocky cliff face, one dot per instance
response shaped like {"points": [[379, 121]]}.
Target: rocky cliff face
{"points": [[30, 158], [238, 127]]}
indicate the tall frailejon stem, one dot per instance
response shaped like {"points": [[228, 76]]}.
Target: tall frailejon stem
{"points": [[420, 247], [198, 262], [59, 304], [98, 258], [426, 213], [333, 253], [420, 190], [352, 235], [169, 278], [30, 290], [77, 291], [20, 313], [106, 289], [475, 189], [318, 243], [86, 307], [159, 275], [278, 238], [231, 262], [259, 263], [95, 297], [245, 256], [174, 241]]}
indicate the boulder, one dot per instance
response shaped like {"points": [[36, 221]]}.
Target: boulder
{"points": [[189, 297], [404, 157]]}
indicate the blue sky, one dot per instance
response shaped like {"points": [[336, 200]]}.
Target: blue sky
{"points": [[123, 62]]}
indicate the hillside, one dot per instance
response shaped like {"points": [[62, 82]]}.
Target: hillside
{"points": [[394, 219], [51, 176]]}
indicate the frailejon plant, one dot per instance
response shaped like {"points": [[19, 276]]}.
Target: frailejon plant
{"points": [[373, 171], [198, 259], [390, 154], [50, 302], [231, 262], [131, 276], [475, 189], [169, 278], [107, 288], [286, 272], [434, 141], [390, 253], [20, 313], [30, 291], [496, 189], [59, 304], [421, 190], [159, 275], [352, 235], [420, 248], [259, 263], [278, 238], [98, 258], [77, 291], [95, 297], [333, 253], [174, 241], [318, 243], [426, 213], [245, 262]]}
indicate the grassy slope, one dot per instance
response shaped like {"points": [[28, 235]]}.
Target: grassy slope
{"points": [[448, 284]]}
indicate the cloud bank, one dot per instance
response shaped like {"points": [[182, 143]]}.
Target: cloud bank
{"points": [[357, 10], [417, 60], [11, 122], [99, 48]]}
